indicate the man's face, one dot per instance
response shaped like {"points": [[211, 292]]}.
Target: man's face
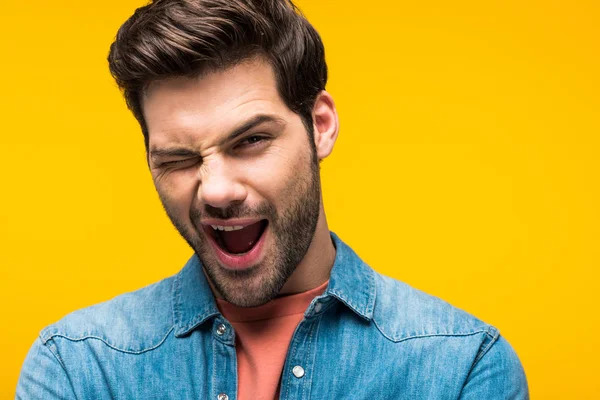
{"points": [[225, 152]]}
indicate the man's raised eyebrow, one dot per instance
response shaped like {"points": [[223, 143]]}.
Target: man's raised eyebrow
{"points": [[251, 123]]}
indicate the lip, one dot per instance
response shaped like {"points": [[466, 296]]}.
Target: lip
{"points": [[236, 262], [230, 222]]}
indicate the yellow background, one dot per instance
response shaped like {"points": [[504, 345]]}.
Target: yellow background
{"points": [[467, 166]]}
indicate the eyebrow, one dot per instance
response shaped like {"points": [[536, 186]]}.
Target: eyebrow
{"points": [[237, 132], [176, 152], [251, 123]]}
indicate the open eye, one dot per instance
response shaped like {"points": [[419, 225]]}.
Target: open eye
{"points": [[252, 140], [251, 143]]}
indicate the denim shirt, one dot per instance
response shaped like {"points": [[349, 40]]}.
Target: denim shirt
{"points": [[368, 336]]}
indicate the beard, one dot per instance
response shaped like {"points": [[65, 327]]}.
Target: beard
{"points": [[292, 230]]}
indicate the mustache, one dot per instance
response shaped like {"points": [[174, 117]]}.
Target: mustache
{"points": [[234, 210]]}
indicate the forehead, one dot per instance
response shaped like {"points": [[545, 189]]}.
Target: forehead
{"points": [[190, 109]]}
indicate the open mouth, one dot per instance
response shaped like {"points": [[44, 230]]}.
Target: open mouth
{"points": [[237, 240]]}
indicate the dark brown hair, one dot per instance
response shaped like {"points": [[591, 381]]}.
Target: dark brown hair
{"points": [[169, 38]]}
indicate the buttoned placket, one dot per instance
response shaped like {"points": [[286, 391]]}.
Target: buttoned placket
{"points": [[300, 360], [224, 375]]}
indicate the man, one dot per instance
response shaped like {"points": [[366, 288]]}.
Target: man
{"points": [[230, 96]]}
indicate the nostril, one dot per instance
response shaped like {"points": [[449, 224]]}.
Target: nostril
{"points": [[222, 195]]}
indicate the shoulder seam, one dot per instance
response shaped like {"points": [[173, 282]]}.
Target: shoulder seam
{"points": [[52, 349], [82, 338], [55, 354], [493, 339]]}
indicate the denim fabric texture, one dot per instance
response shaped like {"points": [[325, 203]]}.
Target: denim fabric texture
{"points": [[368, 336]]}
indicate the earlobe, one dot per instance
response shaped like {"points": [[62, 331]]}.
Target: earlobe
{"points": [[326, 124]]}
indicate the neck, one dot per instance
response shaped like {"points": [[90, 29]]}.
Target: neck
{"points": [[315, 267]]}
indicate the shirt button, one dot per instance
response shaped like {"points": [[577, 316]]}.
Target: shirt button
{"points": [[221, 329], [222, 396], [318, 307], [298, 371]]}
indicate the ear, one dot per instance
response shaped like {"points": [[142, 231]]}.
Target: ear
{"points": [[326, 124]]}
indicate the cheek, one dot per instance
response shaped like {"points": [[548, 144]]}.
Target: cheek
{"points": [[177, 191], [273, 172], [285, 176]]}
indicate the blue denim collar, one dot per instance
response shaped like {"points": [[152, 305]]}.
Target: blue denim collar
{"points": [[193, 300], [352, 282]]}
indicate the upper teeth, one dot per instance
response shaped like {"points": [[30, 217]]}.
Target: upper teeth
{"points": [[227, 228]]}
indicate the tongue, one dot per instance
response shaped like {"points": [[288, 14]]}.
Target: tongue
{"points": [[242, 240]]}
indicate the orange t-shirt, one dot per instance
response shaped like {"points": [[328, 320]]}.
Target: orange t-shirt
{"points": [[262, 338]]}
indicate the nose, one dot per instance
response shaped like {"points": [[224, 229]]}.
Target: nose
{"points": [[219, 185]]}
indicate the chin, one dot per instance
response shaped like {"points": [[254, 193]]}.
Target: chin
{"points": [[248, 288]]}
